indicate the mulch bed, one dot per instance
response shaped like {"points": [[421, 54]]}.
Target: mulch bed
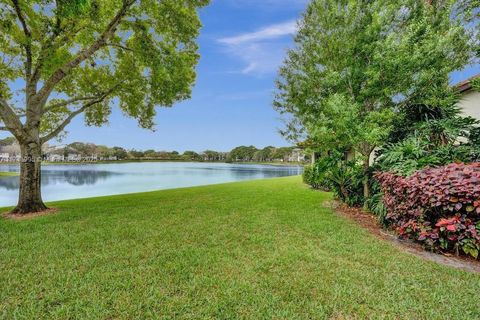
{"points": [[370, 222], [18, 216]]}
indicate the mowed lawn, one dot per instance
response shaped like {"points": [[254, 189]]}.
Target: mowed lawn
{"points": [[8, 174], [264, 249]]}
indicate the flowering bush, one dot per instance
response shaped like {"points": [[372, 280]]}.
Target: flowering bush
{"points": [[438, 207]]}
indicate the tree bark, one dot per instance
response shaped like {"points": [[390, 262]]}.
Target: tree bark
{"points": [[30, 198], [366, 185], [366, 180]]}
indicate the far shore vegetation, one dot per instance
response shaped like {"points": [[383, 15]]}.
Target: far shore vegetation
{"points": [[79, 152]]}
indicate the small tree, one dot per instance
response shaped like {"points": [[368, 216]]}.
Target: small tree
{"points": [[74, 57], [357, 62]]}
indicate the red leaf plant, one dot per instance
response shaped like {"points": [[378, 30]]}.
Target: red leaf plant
{"points": [[439, 207]]}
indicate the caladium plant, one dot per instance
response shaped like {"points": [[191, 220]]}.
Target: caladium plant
{"points": [[439, 207]]}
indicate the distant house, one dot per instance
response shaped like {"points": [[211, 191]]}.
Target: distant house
{"points": [[55, 158], [109, 158], [297, 155], [93, 157], [470, 100], [4, 157], [13, 150], [74, 157]]}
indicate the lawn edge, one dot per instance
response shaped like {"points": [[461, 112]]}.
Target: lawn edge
{"points": [[369, 223]]}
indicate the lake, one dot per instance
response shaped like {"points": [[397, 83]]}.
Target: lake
{"points": [[72, 181]]}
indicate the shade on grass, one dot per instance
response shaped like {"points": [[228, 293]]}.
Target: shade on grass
{"points": [[258, 249]]}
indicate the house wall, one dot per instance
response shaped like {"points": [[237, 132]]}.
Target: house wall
{"points": [[470, 104]]}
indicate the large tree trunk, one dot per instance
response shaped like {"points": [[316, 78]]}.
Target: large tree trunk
{"points": [[30, 198]]}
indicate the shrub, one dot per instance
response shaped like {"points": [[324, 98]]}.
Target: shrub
{"points": [[412, 154], [310, 176], [376, 206], [316, 175], [438, 207], [307, 175], [346, 182], [344, 179]]}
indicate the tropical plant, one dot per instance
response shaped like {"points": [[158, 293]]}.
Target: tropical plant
{"points": [[429, 136], [316, 175], [376, 206], [438, 207], [347, 182], [343, 178]]}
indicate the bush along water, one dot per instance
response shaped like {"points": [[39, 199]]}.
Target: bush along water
{"points": [[438, 207]]}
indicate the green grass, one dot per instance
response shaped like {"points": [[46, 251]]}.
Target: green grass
{"points": [[258, 250], [8, 174]]}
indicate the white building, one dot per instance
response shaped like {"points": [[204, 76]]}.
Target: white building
{"points": [[4, 157], [55, 158], [13, 150], [74, 157], [470, 100], [297, 155]]}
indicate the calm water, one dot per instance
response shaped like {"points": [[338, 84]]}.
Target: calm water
{"points": [[60, 182]]}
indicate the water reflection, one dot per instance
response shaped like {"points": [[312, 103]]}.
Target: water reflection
{"points": [[9, 183], [73, 177], [88, 180]]}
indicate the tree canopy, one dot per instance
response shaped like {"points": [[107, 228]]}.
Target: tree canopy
{"points": [[63, 58], [72, 57], [357, 62]]}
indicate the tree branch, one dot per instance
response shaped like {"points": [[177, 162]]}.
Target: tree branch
{"points": [[67, 121], [18, 10], [73, 114], [27, 46], [67, 102], [120, 46], [10, 119], [63, 71], [41, 56]]}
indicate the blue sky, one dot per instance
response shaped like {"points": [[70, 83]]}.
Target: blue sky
{"points": [[242, 44]]}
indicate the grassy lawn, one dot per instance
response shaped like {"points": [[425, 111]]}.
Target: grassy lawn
{"points": [[8, 174], [260, 250]]}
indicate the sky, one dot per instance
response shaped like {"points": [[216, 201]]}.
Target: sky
{"points": [[242, 44]]}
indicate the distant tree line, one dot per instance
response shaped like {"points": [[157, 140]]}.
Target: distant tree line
{"points": [[238, 154], [267, 154], [7, 141]]}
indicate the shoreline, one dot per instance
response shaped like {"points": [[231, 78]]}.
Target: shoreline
{"points": [[286, 164], [8, 207]]}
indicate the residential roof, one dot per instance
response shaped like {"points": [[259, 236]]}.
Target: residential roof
{"points": [[466, 85]]}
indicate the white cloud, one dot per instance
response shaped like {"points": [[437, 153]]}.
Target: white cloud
{"points": [[263, 50], [271, 5], [270, 32]]}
